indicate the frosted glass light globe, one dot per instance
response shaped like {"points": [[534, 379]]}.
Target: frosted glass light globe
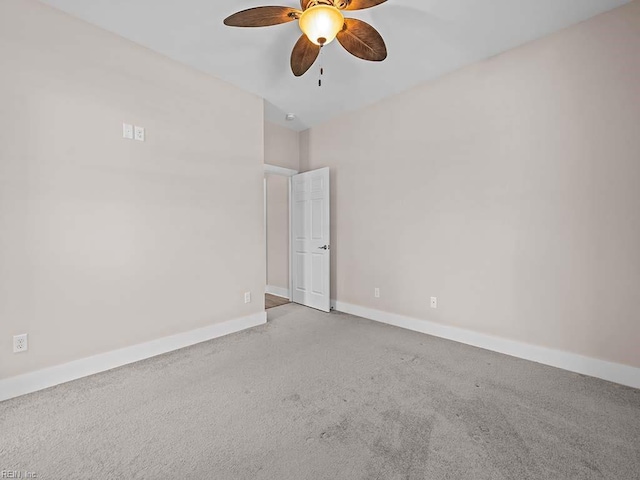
{"points": [[321, 23]]}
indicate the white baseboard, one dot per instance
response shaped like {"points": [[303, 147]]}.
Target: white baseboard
{"points": [[278, 291], [613, 372], [49, 377]]}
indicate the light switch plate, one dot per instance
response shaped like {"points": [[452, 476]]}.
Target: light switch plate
{"points": [[139, 134], [434, 302], [127, 131]]}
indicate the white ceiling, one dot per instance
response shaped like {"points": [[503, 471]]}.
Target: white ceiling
{"points": [[425, 39]]}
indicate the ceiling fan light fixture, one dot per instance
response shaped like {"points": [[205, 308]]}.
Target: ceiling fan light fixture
{"points": [[321, 23]]}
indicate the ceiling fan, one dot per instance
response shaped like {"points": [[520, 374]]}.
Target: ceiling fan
{"points": [[321, 21]]}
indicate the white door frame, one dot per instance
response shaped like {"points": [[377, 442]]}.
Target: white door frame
{"points": [[283, 172]]}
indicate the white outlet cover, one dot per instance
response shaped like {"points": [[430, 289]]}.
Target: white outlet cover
{"points": [[434, 302], [139, 133], [20, 343], [127, 131], [376, 293], [247, 297]]}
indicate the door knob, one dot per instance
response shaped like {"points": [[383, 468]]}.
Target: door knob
{"points": [[325, 247]]}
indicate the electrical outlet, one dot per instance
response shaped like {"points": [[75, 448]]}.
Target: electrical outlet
{"points": [[434, 302], [139, 133], [127, 131], [20, 343], [247, 297], [376, 293]]}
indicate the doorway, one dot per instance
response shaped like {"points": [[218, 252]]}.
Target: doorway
{"points": [[277, 235], [297, 232]]}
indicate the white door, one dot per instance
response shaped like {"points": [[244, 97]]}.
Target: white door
{"points": [[310, 239]]}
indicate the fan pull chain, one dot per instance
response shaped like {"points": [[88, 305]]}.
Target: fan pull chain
{"points": [[321, 68]]}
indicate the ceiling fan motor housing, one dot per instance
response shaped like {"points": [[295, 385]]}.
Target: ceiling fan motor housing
{"points": [[331, 3]]}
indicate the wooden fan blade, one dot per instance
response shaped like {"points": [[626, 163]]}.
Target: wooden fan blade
{"points": [[303, 56], [262, 17], [304, 4], [362, 40], [362, 4]]}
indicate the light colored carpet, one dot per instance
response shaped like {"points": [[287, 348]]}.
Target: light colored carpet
{"points": [[318, 396]]}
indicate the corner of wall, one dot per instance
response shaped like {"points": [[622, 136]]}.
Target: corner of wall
{"points": [[303, 141]]}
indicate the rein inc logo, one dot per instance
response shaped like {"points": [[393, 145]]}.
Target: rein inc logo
{"points": [[17, 474]]}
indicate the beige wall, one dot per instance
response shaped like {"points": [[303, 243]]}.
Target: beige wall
{"points": [[278, 231], [106, 242], [281, 146], [508, 189]]}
